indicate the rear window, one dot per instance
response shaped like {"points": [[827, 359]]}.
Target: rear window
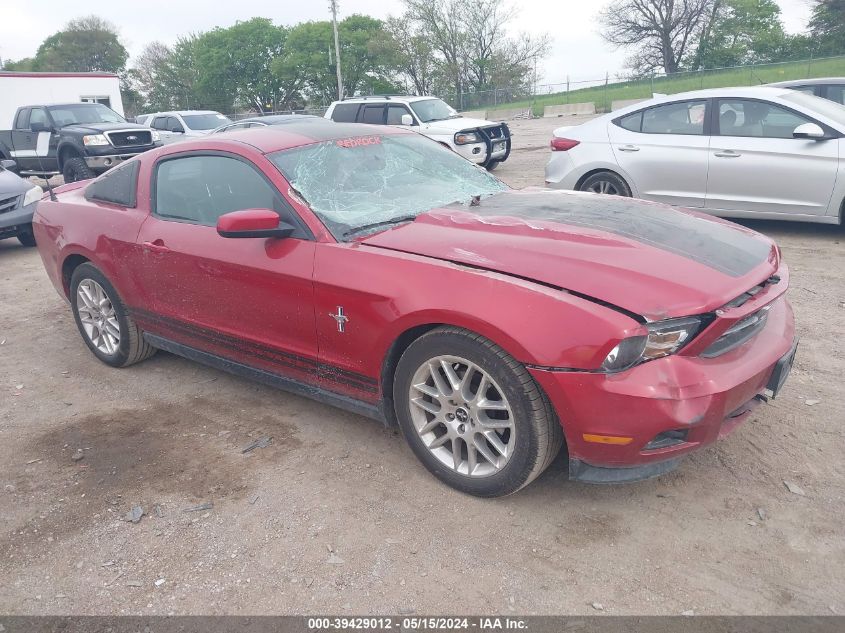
{"points": [[632, 122], [117, 186], [345, 112]]}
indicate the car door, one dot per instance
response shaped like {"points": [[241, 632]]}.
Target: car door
{"points": [[756, 166], [32, 149], [247, 300], [663, 150]]}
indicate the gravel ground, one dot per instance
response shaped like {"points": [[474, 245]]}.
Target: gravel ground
{"points": [[335, 515]]}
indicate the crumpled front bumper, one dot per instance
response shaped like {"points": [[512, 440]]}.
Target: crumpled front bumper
{"points": [[703, 399]]}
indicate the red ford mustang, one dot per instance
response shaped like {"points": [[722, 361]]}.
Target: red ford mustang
{"points": [[370, 268]]}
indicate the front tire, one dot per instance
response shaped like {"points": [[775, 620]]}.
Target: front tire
{"points": [[472, 414], [606, 182], [27, 237], [103, 321], [76, 169], [493, 164]]}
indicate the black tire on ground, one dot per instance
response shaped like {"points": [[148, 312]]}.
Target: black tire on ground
{"points": [[491, 166], [26, 237], [538, 436], [76, 169], [132, 348], [606, 182]]}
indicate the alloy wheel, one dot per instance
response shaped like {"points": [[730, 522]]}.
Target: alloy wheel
{"points": [[462, 416], [98, 317], [605, 187]]}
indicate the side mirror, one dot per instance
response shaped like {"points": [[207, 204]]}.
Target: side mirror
{"points": [[407, 119], [8, 164], [39, 127], [809, 131], [253, 223]]}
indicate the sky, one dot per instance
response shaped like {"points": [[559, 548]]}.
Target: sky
{"points": [[577, 52]]}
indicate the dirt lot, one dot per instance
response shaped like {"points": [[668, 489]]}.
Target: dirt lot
{"points": [[337, 516]]}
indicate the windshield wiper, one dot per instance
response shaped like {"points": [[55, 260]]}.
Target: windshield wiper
{"points": [[375, 225]]}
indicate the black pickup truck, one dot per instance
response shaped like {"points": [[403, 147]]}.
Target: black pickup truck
{"points": [[77, 140]]}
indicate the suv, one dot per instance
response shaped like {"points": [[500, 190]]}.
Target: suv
{"points": [[482, 142], [184, 123]]}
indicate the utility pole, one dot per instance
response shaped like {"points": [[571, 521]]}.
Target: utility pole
{"points": [[337, 49]]}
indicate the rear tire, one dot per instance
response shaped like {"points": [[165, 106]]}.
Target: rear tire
{"points": [[606, 182], [76, 169], [27, 237], [508, 425], [493, 164], [103, 321]]}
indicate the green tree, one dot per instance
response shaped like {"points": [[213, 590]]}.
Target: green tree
{"points": [[827, 26], [743, 32], [234, 64], [168, 77], [367, 54], [86, 44]]}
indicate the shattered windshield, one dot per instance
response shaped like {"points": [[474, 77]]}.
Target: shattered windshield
{"points": [[430, 110], [370, 182]]}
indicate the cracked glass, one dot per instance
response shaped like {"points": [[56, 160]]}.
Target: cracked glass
{"points": [[367, 183]]}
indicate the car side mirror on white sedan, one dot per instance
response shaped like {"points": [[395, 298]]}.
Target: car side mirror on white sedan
{"points": [[810, 131], [407, 119]]}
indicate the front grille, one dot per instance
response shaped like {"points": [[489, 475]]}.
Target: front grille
{"points": [[130, 138], [9, 204], [495, 132], [738, 334]]}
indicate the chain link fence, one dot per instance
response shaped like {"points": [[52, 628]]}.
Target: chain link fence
{"points": [[603, 91]]}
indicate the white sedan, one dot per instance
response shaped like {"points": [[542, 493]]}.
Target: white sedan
{"points": [[768, 153]]}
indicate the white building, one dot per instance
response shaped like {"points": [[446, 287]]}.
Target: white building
{"points": [[19, 89]]}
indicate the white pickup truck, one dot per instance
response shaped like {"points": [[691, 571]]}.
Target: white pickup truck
{"points": [[482, 142]]}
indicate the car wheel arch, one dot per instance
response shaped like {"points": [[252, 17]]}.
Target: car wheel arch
{"points": [[66, 151], [69, 265]]}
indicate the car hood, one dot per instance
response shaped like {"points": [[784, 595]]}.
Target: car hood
{"points": [[95, 128], [12, 185], [455, 125], [644, 257]]}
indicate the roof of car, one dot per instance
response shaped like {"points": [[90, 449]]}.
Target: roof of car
{"points": [[371, 98], [181, 112], [273, 138], [275, 119], [817, 81]]}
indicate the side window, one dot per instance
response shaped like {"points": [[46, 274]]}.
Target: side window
{"points": [[372, 114], [200, 189], [174, 124], [116, 186], [345, 112], [836, 93], [394, 114], [744, 117], [22, 120], [159, 123], [686, 117], [38, 115], [632, 122]]}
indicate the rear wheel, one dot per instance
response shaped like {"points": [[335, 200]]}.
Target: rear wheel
{"points": [[491, 166], [106, 327], [606, 182], [75, 169], [472, 414]]}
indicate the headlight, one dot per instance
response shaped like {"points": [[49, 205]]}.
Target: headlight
{"points": [[462, 138], [664, 338], [33, 195], [95, 139], [156, 136]]}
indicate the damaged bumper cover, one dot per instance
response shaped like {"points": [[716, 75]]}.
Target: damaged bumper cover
{"points": [[637, 424]]}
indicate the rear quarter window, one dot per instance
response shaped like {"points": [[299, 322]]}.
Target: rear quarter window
{"points": [[345, 112], [117, 186]]}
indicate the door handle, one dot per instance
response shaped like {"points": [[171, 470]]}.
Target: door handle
{"points": [[728, 153], [156, 246], [629, 148]]}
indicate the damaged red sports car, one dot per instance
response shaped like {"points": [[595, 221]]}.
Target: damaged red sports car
{"points": [[370, 268]]}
